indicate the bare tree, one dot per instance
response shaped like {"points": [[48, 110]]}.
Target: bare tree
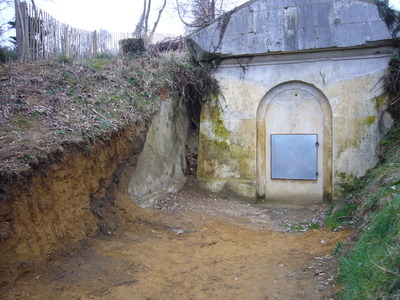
{"points": [[390, 16], [4, 5], [139, 26], [142, 27], [158, 18], [197, 13]]}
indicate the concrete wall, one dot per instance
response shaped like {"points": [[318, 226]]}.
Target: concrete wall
{"points": [[162, 161], [293, 67], [265, 26], [348, 80]]}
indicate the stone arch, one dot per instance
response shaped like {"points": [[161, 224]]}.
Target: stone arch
{"points": [[262, 141]]}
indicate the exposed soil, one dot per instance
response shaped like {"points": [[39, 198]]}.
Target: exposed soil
{"points": [[195, 245], [69, 199]]}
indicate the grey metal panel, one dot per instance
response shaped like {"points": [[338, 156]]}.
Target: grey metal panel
{"points": [[294, 156]]}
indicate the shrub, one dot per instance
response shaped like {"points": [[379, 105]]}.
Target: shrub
{"points": [[64, 59], [7, 53], [392, 86]]}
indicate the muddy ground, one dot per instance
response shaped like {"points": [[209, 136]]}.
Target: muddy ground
{"points": [[195, 245]]}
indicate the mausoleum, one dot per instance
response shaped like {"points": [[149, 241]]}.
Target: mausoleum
{"points": [[301, 108]]}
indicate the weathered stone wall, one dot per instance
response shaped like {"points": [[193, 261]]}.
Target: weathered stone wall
{"points": [[161, 165], [350, 81], [264, 26], [293, 67]]}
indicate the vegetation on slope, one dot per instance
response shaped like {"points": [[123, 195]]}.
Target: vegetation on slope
{"points": [[370, 265], [48, 106]]}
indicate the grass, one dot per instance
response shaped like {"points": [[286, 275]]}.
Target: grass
{"points": [[341, 217], [7, 53], [304, 226], [371, 268], [370, 264], [64, 59]]}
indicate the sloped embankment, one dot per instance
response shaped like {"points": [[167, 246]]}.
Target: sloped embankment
{"points": [[70, 136], [72, 198], [370, 264]]}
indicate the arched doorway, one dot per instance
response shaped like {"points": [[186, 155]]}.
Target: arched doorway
{"points": [[294, 144]]}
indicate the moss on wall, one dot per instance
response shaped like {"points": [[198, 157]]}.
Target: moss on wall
{"points": [[356, 133], [245, 157], [380, 102], [220, 131], [223, 153], [345, 182], [368, 121]]}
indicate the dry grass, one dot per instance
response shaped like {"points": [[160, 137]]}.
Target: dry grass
{"points": [[392, 86], [46, 107]]}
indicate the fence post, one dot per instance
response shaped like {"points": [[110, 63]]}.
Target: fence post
{"points": [[26, 35], [66, 41], [40, 36], [95, 44], [21, 28], [18, 29]]}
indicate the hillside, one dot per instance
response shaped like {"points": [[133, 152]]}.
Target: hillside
{"points": [[370, 263], [47, 104], [70, 132]]}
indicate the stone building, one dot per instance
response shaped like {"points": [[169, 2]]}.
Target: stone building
{"points": [[301, 109]]}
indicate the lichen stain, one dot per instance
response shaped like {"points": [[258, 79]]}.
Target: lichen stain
{"points": [[344, 183], [380, 102], [222, 145], [368, 121], [246, 158], [220, 131], [356, 135], [221, 148]]}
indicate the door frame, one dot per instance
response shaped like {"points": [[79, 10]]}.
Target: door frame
{"points": [[262, 138]]}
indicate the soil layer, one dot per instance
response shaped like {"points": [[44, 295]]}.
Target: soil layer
{"points": [[70, 198], [195, 245]]}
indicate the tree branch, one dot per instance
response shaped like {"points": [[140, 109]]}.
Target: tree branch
{"points": [[146, 23], [158, 18]]}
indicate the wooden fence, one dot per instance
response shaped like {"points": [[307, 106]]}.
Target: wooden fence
{"points": [[40, 37]]}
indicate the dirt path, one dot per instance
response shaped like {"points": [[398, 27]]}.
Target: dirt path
{"points": [[195, 246]]}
